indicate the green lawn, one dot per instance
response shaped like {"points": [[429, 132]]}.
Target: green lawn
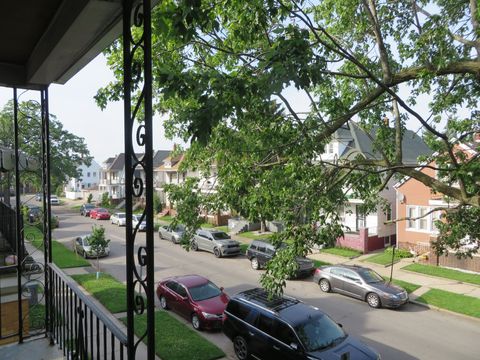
{"points": [[222, 228], [444, 273], [382, 259], [63, 257], [342, 251], [36, 316], [180, 342], [318, 263], [110, 292], [462, 304], [166, 218], [409, 287], [255, 235], [243, 248]]}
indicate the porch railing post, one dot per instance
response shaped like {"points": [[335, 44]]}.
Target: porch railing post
{"points": [[137, 59]]}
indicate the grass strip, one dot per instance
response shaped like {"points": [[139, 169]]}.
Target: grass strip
{"points": [[318, 263], [63, 257], [458, 303], [110, 292], [382, 259], [409, 287], [444, 273], [180, 342], [222, 228], [255, 235], [342, 251]]}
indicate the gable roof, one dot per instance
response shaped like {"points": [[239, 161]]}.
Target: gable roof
{"points": [[159, 156], [360, 142]]}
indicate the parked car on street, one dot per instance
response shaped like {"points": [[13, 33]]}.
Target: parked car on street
{"points": [[260, 252], [118, 219], [286, 328], [82, 246], [174, 234], [86, 208], [136, 221], [100, 214], [195, 298], [217, 242], [54, 200], [34, 213], [361, 283], [38, 196]]}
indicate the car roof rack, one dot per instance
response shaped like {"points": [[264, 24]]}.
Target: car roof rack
{"points": [[277, 303]]}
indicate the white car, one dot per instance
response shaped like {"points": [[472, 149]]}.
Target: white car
{"points": [[119, 218], [54, 200], [136, 221], [469, 244]]}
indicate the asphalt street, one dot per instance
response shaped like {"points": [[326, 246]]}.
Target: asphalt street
{"points": [[411, 332]]}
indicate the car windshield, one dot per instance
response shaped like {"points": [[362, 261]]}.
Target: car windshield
{"points": [[319, 332], [121, 216], [205, 291], [102, 210], [220, 236], [370, 276], [89, 206], [178, 228]]}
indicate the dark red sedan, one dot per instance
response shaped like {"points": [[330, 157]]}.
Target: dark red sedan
{"points": [[100, 214], [195, 298]]}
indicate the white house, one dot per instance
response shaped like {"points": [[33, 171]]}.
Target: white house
{"points": [[368, 232], [86, 182]]}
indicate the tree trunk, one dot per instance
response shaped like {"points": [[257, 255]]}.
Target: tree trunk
{"points": [[263, 226]]}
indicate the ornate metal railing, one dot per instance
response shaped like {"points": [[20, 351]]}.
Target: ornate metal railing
{"points": [[137, 89], [79, 326]]}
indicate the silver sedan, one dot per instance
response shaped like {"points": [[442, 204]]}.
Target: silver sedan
{"points": [[174, 234]]}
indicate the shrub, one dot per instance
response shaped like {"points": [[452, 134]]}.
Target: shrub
{"points": [[90, 198], [157, 203], [399, 253], [105, 202]]}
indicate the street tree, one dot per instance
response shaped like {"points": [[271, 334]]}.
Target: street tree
{"points": [[230, 75], [67, 151], [98, 243]]}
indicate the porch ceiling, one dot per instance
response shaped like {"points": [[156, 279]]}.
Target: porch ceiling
{"points": [[49, 41]]}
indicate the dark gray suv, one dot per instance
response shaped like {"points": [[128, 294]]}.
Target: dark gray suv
{"points": [[362, 283], [285, 328], [217, 242], [260, 252]]}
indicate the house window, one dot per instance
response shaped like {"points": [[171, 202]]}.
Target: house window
{"points": [[88, 185], [411, 213], [360, 217], [94, 173], [423, 221], [330, 148], [88, 174], [388, 213], [435, 216]]}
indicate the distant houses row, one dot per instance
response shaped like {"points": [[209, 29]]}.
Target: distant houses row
{"points": [[366, 232]]}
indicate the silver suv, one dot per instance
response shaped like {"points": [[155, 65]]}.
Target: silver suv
{"points": [[217, 242]]}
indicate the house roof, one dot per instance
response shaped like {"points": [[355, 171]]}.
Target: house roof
{"points": [[174, 160], [360, 142], [159, 156]]}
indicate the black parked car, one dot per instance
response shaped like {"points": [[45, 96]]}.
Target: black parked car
{"points": [[286, 328], [361, 283], [260, 252], [85, 209]]}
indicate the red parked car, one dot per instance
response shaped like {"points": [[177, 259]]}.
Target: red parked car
{"points": [[194, 297], [99, 214]]}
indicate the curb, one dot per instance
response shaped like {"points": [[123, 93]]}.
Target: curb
{"points": [[439, 309]]}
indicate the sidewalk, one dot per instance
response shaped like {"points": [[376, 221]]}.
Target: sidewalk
{"points": [[426, 282]]}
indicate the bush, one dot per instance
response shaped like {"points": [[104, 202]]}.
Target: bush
{"points": [[399, 253], [157, 203], [105, 202], [90, 198]]}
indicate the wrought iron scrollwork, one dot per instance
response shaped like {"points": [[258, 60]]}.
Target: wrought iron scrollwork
{"points": [[138, 168]]}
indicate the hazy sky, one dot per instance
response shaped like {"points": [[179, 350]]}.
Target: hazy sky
{"points": [[74, 106]]}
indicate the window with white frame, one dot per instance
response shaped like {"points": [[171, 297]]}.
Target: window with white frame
{"points": [[424, 223]]}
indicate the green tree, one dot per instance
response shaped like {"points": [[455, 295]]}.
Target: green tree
{"points": [[67, 150], [98, 243], [225, 72], [89, 198], [105, 202]]}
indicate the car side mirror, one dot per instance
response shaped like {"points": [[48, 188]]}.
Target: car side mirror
{"points": [[184, 298], [221, 288], [294, 346], [340, 325]]}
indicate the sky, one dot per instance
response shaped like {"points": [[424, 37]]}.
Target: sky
{"points": [[74, 106]]}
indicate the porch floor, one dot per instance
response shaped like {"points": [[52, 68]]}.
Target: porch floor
{"points": [[40, 347]]}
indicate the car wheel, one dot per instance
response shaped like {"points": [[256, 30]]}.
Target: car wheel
{"points": [[194, 246], [163, 303], [240, 347], [196, 322], [254, 263], [173, 240], [85, 254], [373, 300], [217, 253], [324, 285]]}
